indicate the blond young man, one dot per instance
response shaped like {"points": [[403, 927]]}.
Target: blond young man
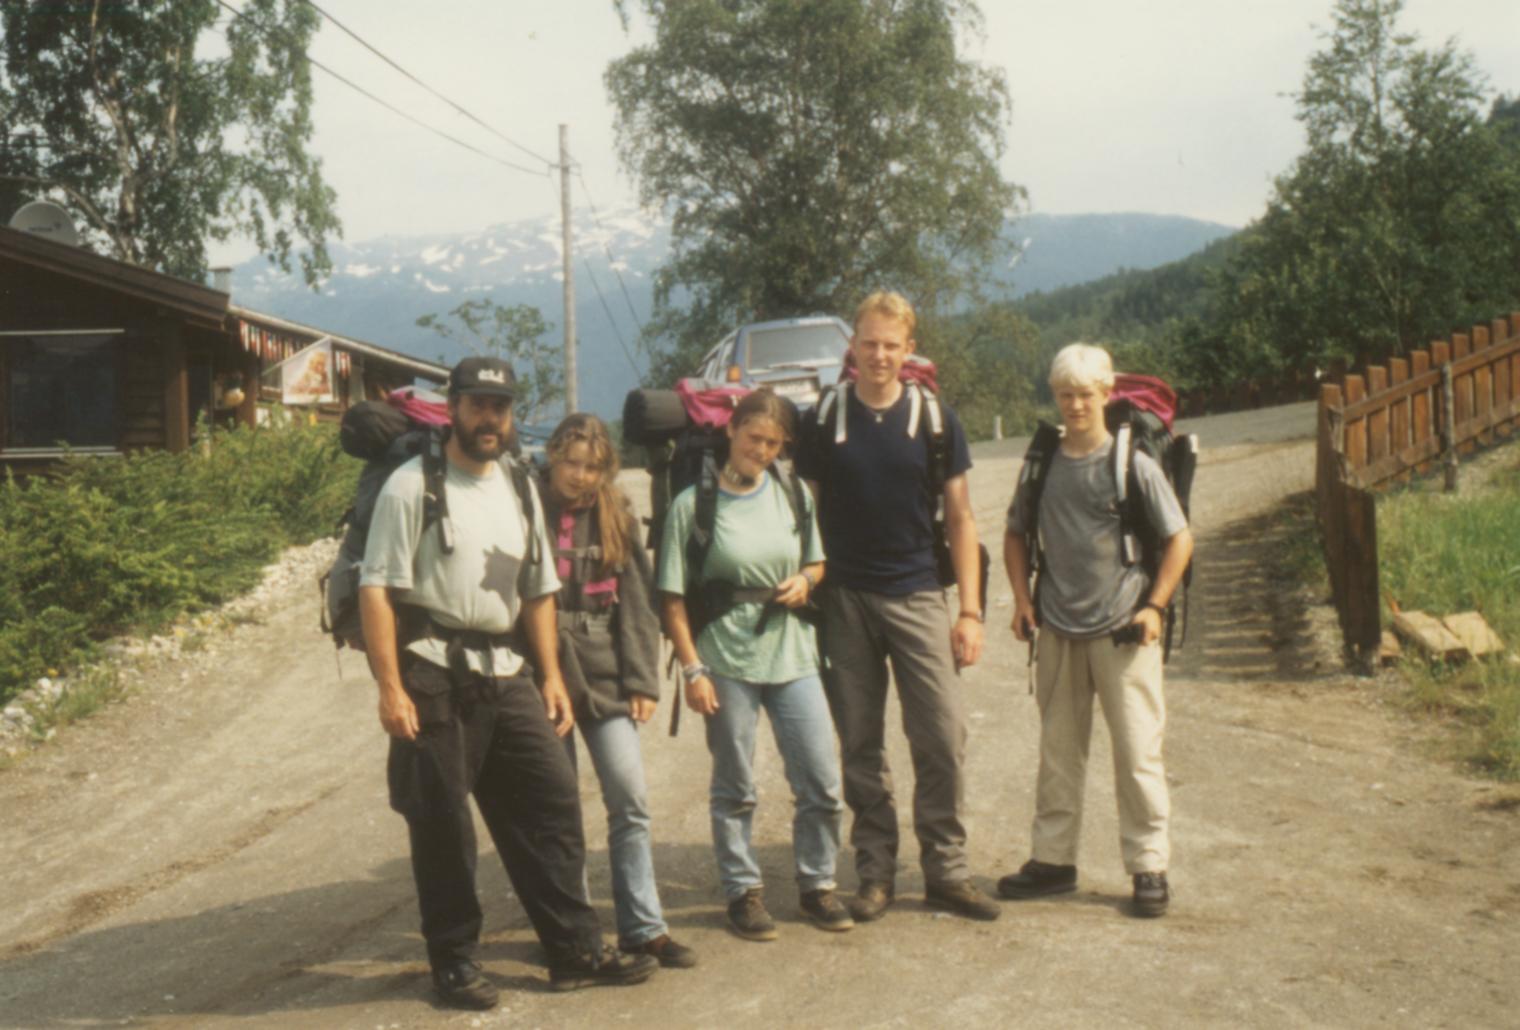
{"points": [[866, 456], [1099, 621]]}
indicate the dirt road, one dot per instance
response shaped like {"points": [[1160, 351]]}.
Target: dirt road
{"points": [[218, 850]]}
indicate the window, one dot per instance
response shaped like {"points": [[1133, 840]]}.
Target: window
{"points": [[62, 389]]}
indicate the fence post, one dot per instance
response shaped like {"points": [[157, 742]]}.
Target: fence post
{"points": [[1362, 619], [1448, 429]]}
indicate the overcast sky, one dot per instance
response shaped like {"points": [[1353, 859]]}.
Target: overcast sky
{"points": [[1172, 106]]}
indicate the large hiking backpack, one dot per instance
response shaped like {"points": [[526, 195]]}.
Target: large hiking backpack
{"points": [[920, 378], [385, 435], [1139, 416], [685, 431]]}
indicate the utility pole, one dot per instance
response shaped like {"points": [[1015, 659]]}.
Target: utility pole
{"points": [[572, 395]]}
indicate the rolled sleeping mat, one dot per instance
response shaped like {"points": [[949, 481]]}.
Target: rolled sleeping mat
{"points": [[653, 416]]}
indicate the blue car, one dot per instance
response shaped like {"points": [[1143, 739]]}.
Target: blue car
{"points": [[796, 357]]}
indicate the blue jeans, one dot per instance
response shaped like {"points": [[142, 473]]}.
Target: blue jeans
{"points": [[804, 733], [614, 747]]}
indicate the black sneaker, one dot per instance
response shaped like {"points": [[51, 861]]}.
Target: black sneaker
{"points": [[826, 911], [665, 951], [962, 898], [609, 967], [1151, 895], [1036, 879], [464, 986], [871, 901], [748, 918]]}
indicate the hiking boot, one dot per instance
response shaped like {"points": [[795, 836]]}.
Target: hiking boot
{"points": [[826, 911], [1036, 879], [608, 967], [871, 900], [463, 986], [665, 951], [962, 898], [748, 918], [1151, 895]]}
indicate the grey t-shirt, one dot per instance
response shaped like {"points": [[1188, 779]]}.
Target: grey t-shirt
{"points": [[482, 584], [1086, 590]]}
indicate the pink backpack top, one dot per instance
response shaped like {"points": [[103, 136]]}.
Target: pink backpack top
{"points": [[712, 407], [421, 406], [1146, 393], [916, 369]]}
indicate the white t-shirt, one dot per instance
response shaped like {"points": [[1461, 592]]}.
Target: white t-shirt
{"points": [[482, 584]]}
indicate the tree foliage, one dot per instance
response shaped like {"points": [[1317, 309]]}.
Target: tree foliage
{"points": [[809, 151], [514, 334], [156, 149], [1400, 220]]}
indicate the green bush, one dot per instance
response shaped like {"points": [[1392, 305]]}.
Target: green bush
{"points": [[1442, 553], [111, 545]]}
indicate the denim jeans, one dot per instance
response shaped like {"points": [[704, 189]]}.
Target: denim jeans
{"points": [[613, 744], [804, 733]]}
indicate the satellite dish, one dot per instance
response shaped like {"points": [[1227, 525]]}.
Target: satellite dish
{"points": [[46, 219]]}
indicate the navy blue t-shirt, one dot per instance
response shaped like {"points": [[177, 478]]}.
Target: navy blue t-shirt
{"points": [[876, 508]]}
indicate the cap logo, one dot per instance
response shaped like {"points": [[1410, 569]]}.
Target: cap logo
{"points": [[491, 375]]}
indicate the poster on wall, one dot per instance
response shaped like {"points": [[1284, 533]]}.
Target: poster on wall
{"points": [[307, 377]]}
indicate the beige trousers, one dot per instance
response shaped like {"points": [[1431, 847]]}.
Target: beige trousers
{"points": [[1126, 680]]}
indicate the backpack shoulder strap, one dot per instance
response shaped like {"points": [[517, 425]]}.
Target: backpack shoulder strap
{"points": [[791, 484], [521, 478], [1038, 458], [705, 520], [936, 439], [435, 504]]}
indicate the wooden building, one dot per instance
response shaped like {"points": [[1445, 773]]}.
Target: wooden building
{"points": [[100, 356]]}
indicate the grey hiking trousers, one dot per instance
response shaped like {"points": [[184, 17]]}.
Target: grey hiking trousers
{"points": [[863, 632]]}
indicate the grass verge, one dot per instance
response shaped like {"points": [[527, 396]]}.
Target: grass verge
{"points": [[1446, 553], [113, 546]]}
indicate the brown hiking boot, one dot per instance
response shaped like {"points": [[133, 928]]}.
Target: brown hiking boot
{"points": [[962, 898], [871, 900], [748, 918]]}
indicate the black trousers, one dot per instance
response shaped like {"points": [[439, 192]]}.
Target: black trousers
{"points": [[490, 738]]}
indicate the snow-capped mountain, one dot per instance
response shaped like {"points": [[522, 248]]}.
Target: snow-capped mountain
{"points": [[379, 288]]}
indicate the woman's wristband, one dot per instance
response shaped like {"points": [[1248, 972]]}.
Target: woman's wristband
{"points": [[694, 672], [812, 580]]}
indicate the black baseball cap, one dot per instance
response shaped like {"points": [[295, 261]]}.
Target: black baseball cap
{"points": [[483, 375]]}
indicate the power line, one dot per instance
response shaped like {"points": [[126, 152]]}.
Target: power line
{"points": [[610, 320], [372, 49], [385, 104], [612, 264]]}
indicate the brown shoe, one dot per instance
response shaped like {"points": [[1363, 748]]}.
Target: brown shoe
{"points": [[962, 898], [871, 900], [670, 954]]}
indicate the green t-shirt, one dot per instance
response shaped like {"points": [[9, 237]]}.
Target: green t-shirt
{"points": [[754, 545]]}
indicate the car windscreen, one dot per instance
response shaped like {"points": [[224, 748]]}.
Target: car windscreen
{"points": [[808, 345]]}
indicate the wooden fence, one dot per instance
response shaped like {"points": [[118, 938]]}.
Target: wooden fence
{"points": [[1391, 424]]}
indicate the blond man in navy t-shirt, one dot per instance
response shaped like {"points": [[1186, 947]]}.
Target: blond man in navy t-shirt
{"points": [[868, 461]]}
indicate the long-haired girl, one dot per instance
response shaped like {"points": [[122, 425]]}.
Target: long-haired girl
{"points": [[609, 654]]}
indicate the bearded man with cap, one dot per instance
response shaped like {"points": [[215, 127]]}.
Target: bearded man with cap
{"points": [[451, 596]]}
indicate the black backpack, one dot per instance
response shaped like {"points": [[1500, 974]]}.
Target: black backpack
{"points": [[833, 403], [385, 439], [1135, 429]]}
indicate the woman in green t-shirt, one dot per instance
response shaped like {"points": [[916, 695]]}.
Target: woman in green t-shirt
{"points": [[744, 594]]}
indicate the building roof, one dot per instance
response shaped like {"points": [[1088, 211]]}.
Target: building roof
{"points": [[207, 307], [200, 304], [429, 370]]}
